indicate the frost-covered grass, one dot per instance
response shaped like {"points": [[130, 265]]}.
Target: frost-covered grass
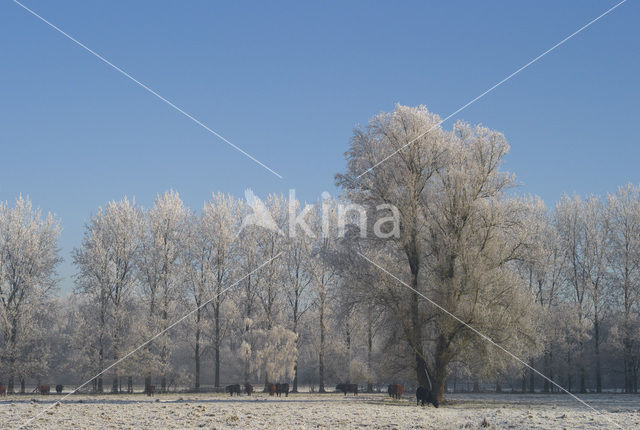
{"points": [[319, 411]]}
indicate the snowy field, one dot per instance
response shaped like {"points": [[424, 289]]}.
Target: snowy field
{"points": [[467, 411]]}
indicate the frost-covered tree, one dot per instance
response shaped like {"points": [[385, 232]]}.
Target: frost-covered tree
{"points": [[323, 277], [624, 261], [164, 234], [276, 353], [106, 262], [544, 270], [459, 232], [198, 276], [584, 232], [270, 245], [249, 289], [595, 250], [28, 259], [220, 227], [297, 279]]}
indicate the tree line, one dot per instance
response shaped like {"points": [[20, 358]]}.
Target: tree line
{"points": [[355, 289]]}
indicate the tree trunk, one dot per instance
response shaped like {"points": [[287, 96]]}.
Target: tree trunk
{"points": [[369, 351], [532, 381], [217, 344], [422, 375], [596, 329], [547, 372], [583, 384], [569, 379], [322, 346], [197, 350], [248, 312], [438, 377], [348, 333], [295, 330], [476, 386]]}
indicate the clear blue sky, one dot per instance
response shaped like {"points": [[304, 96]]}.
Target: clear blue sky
{"points": [[288, 81]]}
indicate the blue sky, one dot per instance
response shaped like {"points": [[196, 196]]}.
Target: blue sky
{"points": [[288, 81]]}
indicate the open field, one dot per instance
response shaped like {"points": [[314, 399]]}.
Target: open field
{"points": [[319, 411]]}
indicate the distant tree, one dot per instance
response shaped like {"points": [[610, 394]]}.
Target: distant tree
{"points": [[324, 277], [584, 232], [297, 277], [106, 264], [164, 234], [544, 271], [28, 258], [275, 356], [219, 229]]}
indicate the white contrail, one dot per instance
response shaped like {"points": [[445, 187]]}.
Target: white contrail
{"points": [[494, 87], [109, 63]]}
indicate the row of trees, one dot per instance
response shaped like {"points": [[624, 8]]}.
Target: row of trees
{"points": [[274, 290]]}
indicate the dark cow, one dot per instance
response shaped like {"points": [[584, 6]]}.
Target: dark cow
{"points": [[44, 389], [248, 389], [59, 388], [3, 390], [423, 395], [151, 389], [348, 388], [234, 388], [395, 391], [271, 389], [282, 389]]}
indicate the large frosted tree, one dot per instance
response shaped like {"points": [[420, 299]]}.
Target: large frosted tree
{"points": [[459, 232], [624, 260]]}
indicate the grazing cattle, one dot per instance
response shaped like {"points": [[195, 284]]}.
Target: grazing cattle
{"points": [[248, 389], [234, 388], [271, 389], [395, 391], [44, 389], [423, 395], [59, 388], [3, 390], [282, 389], [348, 388], [151, 389]]}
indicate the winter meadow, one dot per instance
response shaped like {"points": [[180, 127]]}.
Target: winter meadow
{"points": [[154, 273], [427, 272]]}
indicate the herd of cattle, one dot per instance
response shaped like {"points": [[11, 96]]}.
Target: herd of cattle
{"points": [[42, 389], [272, 389], [395, 391]]}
